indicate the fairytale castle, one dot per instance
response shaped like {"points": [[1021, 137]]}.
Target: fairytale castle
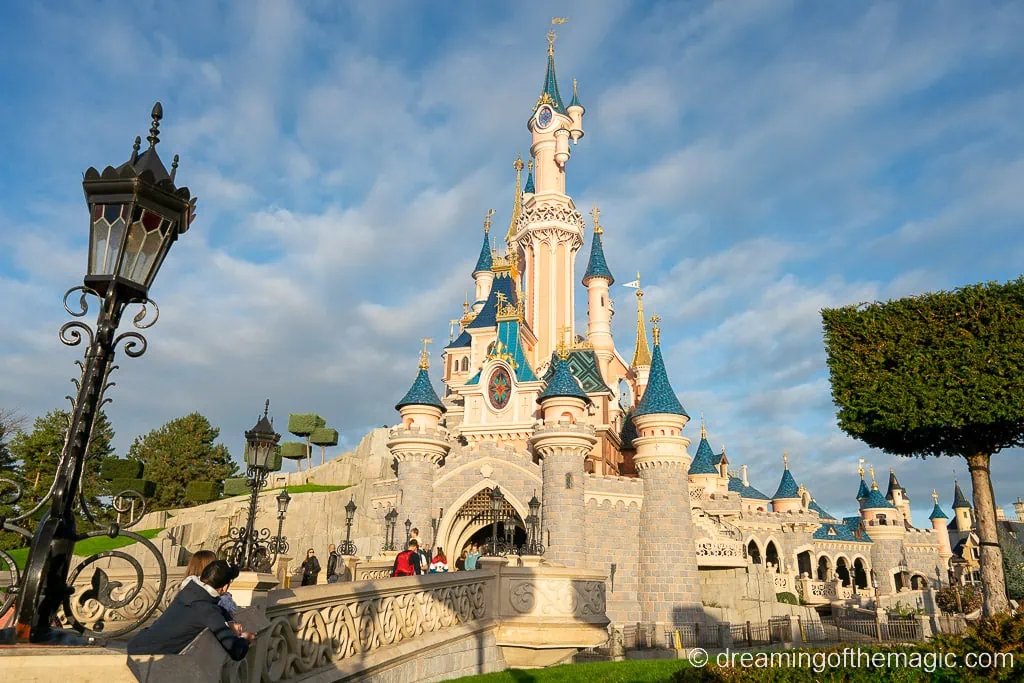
{"points": [[547, 414]]}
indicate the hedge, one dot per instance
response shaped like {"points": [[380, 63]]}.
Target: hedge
{"points": [[146, 488], [304, 424], [294, 450], [324, 436], [202, 491], [787, 598], [236, 486], [115, 468]]}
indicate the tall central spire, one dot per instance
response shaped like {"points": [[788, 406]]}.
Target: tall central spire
{"points": [[550, 94], [642, 354], [517, 203]]}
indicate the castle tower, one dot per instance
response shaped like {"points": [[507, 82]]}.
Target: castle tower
{"points": [[669, 589], [563, 443], [961, 509], [703, 473], [482, 273], [863, 491], [598, 279], [641, 364], [939, 526], [886, 529], [550, 229], [897, 495], [787, 496], [418, 444]]}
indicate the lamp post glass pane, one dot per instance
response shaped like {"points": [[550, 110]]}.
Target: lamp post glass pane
{"points": [[259, 454], [350, 510], [146, 236], [106, 235], [282, 502]]}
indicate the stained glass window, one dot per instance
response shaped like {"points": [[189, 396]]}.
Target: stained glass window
{"points": [[499, 388]]}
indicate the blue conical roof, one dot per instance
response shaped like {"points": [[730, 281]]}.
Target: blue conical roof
{"points": [[484, 263], [959, 499], [421, 393], [563, 383], [704, 460], [659, 398], [875, 500], [787, 486], [550, 93], [529, 183], [597, 266], [937, 513], [863, 491], [821, 512], [575, 102]]}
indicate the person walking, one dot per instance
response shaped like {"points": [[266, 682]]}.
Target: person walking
{"points": [[332, 565], [439, 564], [472, 556], [407, 563], [192, 611], [310, 568]]}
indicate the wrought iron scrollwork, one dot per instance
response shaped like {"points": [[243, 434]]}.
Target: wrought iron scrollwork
{"points": [[347, 548], [134, 343]]}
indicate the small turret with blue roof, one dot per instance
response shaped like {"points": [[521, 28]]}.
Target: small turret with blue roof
{"points": [[787, 496], [704, 460], [421, 394], [597, 266], [875, 500], [484, 261], [563, 384], [659, 398], [937, 512], [529, 188]]}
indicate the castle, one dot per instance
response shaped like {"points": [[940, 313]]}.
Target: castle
{"points": [[536, 409]]}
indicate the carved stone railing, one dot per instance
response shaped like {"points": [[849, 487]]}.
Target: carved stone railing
{"points": [[373, 570], [816, 592], [721, 553], [784, 583], [97, 617]]}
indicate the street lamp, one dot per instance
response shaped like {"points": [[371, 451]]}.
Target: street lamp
{"points": [[248, 548], [408, 530], [347, 546], [136, 213], [533, 544], [390, 520], [496, 500]]}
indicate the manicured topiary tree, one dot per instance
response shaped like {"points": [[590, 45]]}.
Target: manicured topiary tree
{"points": [[199, 492], [937, 374], [236, 486], [303, 425], [323, 437], [295, 450], [125, 474]]}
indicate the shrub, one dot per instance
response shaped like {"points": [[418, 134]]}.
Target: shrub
{"points": [[304, 424], [236, 486], [787, 598], [146, 488], [970, 599], [294, 450], [198, 492], [116, 468], [324, 436]]}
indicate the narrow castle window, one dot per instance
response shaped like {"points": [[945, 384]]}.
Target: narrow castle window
{"points": [[568, 480]]}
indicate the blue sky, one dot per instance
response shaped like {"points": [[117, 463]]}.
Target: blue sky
{"points": [[756, 161]]}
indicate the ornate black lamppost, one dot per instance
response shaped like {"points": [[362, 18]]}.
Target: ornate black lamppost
{"points": [[136, 214], [347, 547], [533, 545], [248, 548], [408, 531], [496, 500], [390, 520]]}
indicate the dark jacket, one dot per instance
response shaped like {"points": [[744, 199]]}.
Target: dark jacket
{"points": [[310, 566], [191, 611], [332, 565]]}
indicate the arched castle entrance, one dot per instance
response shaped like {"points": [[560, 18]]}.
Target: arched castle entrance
{"points": [[472, 521]]}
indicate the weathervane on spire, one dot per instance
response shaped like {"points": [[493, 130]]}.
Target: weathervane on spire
{"points": [[655, 330], [860, 467], [487, 221], [785, 459], [552, 36], [935, 496], [424, 355], [704, 429], [595, 213]]}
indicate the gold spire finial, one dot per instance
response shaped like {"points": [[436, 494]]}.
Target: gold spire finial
{"points": [[785, 460], [874, 484], [552, 36], [704, 429], [517, 201], [518, 163], [487, 221], [595, 213], [655, 330], [860, 467], [424, 354], [935, 496], [642, 353], [562, 347], [465, 304]]}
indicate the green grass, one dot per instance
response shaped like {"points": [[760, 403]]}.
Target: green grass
{"points": [[632, 671], [84, 548], [310, 488]]}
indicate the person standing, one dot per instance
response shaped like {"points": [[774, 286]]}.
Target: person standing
{"points": [[332, 565], [460, 563], [408, 561], [439, 564], [472, 556], [424, 550], [310, 568]]}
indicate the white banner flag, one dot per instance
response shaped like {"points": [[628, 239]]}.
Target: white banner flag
{"points": [[635, 284]]}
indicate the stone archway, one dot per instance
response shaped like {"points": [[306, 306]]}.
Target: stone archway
{"points": [[473, 520], [824, 568]]}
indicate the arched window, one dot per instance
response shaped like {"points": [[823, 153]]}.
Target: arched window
{"points": [[465, 364]]}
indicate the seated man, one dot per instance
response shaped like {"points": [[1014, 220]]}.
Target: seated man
{"points": [[192, 610]]}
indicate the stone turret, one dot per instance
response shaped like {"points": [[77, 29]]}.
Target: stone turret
{"points": [[418, 444], [887, 531], [563, 443], [787, 497], [483, 276], [939, 527], [598, 279], [961, 509], [669, 589], [703, 473], [897, 495]]}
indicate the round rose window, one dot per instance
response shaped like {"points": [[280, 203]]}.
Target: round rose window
{"points": [[499, 388]]}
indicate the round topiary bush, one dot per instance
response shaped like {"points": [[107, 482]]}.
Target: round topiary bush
{"points": [[146, 488], [115, 468], [787, 598]]}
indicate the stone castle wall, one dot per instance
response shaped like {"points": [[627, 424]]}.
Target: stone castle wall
{"points": [[613, 536]]}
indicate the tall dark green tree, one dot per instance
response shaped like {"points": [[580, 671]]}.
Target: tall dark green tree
{"points": [[1013, 564], [937, 374], [10, 424], [182, 451], [38, 453]]}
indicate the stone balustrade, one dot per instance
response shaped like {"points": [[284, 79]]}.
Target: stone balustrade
{"points": [[721, 553]]}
